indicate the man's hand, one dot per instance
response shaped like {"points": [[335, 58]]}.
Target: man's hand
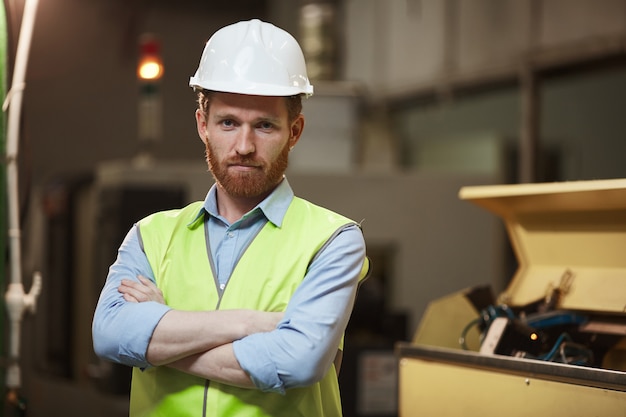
{"points": [[144, 290]]}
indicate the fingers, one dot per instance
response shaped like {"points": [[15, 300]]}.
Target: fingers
{"points": [[145, 280], [130, 298], [140, 291], [132, 291]]}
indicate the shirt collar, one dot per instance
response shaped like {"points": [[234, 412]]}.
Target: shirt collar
{"points": [[274, 206]]}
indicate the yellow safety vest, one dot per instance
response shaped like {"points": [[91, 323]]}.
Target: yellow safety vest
{"points": [[277, 259]]}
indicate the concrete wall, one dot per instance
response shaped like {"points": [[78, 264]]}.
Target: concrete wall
{"points": [[430, 44]]}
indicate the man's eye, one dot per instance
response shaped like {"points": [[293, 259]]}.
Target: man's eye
{"points": [[228, 123], [266, 125]]}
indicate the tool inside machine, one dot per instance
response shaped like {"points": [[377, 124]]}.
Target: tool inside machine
{"points": [[541, 330], [554, 295]]}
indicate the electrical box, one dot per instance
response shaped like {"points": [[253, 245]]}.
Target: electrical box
{"points": [[554, 341]]}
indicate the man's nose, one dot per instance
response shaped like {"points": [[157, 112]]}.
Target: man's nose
{"points": [[245, 141]]}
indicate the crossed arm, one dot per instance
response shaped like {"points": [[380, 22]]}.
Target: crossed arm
{"points": [[199, 342]]}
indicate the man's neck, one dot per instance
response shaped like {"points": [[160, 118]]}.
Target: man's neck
{"points": [[234, 208]]}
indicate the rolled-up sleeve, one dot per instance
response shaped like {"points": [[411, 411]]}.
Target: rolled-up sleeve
{"points": [[121, 330], [302, 348]]}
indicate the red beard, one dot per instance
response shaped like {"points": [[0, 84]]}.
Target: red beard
{"points": [[258, 182]]}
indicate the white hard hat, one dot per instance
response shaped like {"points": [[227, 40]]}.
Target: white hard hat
{"points": [[253, 57]]}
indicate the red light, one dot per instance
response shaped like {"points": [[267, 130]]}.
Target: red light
{"points": [[150, 66]]}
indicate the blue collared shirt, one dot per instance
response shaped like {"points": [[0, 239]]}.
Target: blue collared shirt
{"points": [[305, 342]]}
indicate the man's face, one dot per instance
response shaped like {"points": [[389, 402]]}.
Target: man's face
{"points": [[247, 140]]}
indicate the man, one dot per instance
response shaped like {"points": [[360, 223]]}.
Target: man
{"points": [[237, 305]]}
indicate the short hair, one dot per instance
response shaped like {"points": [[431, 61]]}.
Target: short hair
{"points": [[294, 103]]}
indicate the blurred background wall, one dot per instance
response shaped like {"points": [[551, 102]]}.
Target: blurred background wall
{"points": [[414, 99]]}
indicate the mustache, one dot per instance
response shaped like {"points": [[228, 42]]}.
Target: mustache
{"points": [[242, 160]]}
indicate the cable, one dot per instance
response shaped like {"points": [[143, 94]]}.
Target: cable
{"points": [[466, 329], [564, 349], [555, 318], [555, 348], [487, 316]]}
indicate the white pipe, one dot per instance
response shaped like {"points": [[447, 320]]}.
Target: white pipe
{"points": [[15, 298]]}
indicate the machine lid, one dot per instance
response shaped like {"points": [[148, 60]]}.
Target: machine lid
{"points": [[569, 236]]}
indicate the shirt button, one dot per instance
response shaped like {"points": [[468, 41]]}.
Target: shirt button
{"points": [[222, 286], [231, 234]]}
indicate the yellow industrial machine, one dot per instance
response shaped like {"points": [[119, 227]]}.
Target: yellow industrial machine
{"points": [[554, 342]]}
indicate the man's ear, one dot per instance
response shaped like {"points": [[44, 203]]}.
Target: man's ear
{"points": [[201, 125], [297, 127]]}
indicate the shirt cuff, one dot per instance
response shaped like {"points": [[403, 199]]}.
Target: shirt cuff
{"points": [[251, 353], [133, 351]]}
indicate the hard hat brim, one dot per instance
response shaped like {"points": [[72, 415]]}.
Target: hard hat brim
{"points": [[253, 89]]}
